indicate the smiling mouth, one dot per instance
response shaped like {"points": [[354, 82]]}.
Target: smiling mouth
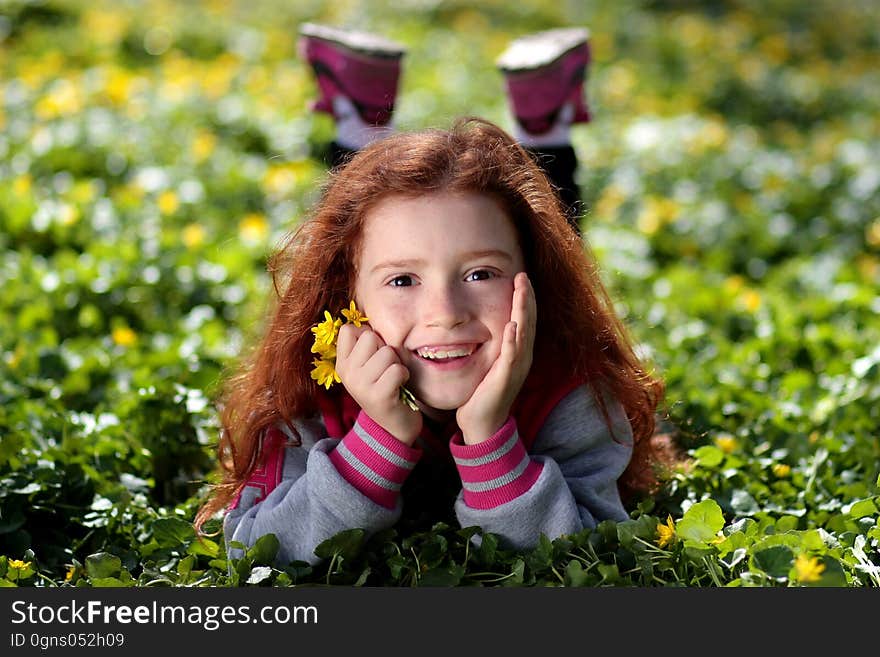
{"points": [[445, 353]]}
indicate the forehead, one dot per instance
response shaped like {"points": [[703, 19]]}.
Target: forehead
{"points": [[440, 222]]}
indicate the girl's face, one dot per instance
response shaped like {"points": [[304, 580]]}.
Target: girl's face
{"points": [[435, 277]]}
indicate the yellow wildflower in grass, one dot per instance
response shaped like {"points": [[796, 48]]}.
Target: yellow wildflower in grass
{"points": [[609, 203], [656, 212], [67, 214], [203, 145], [124, 336], [726, 444], [168, 202], [325, 372], [69, 574], [17, 564], [253, 228], [781, 469], [666, 533], [22, 184], [750, 300], [354, 316], [808, 569], [193, 236]]}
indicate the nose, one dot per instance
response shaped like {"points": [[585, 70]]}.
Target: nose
{"points": [[445, 306]]}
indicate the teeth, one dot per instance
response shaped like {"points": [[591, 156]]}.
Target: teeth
{"points": [[443, 354]]}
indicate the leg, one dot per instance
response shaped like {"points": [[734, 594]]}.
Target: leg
{"points": [[357, 75], [544, 74]]}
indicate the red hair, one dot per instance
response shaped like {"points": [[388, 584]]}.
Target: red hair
{"points": [[314, 270]]}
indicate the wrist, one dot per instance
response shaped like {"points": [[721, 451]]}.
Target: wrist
{"points": [[479, 432], [406, 433]]}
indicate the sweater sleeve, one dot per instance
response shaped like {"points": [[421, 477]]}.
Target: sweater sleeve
{"points": [[567, 482], [327, 485]]}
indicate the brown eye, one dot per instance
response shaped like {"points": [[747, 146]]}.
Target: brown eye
{"points": [[400, 281], [479, 275]]}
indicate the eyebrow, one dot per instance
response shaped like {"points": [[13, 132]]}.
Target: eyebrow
{"points": [[415, 262]]}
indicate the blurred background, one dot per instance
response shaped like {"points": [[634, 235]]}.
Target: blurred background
{"points": [[153, 153]]}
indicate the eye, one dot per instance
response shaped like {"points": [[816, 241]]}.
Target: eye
{"points": [[401, 281], [480, 275]]}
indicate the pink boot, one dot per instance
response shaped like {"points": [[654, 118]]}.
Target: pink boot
{"points": [[544, 72], [359, 66]]}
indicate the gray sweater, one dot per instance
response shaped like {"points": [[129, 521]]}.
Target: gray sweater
{"points": [[567, 481]]}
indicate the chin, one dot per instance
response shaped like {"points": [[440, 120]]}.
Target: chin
{"points": [[445, 402]]}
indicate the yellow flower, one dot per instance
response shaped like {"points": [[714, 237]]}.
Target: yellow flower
{"points": [[750, 300], [168, 202], [325, 373], [666, 533], [354, 316], [781, 469], [253, 228], [203, 145], [324, 350], [124, 336], [808, 568], [193, 235], [17, 564], [326, 331], [69, 574], [726, 443]]}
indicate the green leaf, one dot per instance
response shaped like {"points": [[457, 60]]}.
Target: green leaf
{"points": [[347, 544], [203, 548], [743, 503], [862, 508], [442, 576], [645, 527], [264, 550], [102, 565], [776, 561], [109, 582], [173, 532], [709, 456], [575, 575], [701, 522], [485, 554]]}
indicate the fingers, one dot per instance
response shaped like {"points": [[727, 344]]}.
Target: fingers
{"points": [[524, 311], [348, 338], [364, 350]]}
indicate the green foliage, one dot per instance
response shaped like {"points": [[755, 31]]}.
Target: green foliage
{"points": [[151, 155]]}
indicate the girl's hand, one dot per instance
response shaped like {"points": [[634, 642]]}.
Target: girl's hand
{"points": [[489, 406], [372, 373]]}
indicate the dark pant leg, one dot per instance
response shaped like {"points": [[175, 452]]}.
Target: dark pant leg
{"points": [[560, 163]]}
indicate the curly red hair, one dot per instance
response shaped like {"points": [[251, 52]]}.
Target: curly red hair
{"points": [[315, 269]]}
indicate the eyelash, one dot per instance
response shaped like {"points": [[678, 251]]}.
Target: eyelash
{"points": [[489, 275]]}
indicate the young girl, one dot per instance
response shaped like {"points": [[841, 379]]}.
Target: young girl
{"points": [[481, 300]]}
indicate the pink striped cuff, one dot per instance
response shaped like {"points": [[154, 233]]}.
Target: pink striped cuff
{"points": [[495, 471], [374, 461]]}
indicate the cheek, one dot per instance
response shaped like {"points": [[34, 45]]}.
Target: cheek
{"points": [[387, 319]]}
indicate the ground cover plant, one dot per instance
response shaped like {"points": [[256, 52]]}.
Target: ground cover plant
{"points": [[152, 154]]}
